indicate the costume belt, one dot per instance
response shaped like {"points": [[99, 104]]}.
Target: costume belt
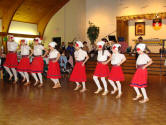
{"points": [[140, 66], [52, 59], [24, 56]]}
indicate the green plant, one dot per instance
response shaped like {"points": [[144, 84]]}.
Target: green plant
{"points": [[92, 32]]}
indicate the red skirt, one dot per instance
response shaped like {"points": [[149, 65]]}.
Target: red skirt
{"points": [[37, 65], [24, 65], [78, 74], [116, 74], [53, 70], [140, 78], [101, 70], [11, 60]]}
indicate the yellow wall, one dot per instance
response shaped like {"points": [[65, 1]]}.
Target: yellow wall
{"points": [[73, 19], [55, 27], [150, 33], [23, 28], [103, 13], [68, 22], [0, 25]]}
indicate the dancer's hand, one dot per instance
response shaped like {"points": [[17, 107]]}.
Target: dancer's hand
{"points": [[118, 64], [54, 61], [83, 64], [143, 67], [104, 63]]}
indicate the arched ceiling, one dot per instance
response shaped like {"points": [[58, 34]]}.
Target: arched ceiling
{"points": [[29, 11]]}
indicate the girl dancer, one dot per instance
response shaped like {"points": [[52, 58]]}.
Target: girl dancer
{"points": [[38, 63], [116, 74], [79, 73], [53, 67], [102, 69], [24, 64], [140, 77], [11, 58]]}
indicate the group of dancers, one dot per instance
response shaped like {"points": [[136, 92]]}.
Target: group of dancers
{"points": [[78, 75]]}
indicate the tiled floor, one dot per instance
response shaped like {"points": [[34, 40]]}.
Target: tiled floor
{"points": [[21, 105]]}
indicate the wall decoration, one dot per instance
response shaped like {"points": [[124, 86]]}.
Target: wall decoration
{"points": [[157, 24], [139, 28]]}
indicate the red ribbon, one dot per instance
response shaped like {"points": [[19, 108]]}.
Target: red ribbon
{"points": [[77, 45], [22, 40], [36, 40], [138, 49], [114, 47], [100, 46]]}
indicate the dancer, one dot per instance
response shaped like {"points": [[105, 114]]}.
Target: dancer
{"points": [[11, 58], [53, 67], [79, 73], [116, 74], [140, 77], [102, 69], [24, 65], [38, 63]]}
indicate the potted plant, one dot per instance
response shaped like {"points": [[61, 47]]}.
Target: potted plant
{"points": [[92, 32]]}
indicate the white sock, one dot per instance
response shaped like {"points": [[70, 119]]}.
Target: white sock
{"points": [[95, 78], [8, 71], [137, 91], [113, 84], [35, 77], [26, 76], [22, 74], [119, 87], [54, 80], [104, 83], [144, 93], [83, 85], [14, 72], [77, 83], [40, 77]]}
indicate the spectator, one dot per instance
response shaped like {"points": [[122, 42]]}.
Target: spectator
{"points": [[63, 47], [140, 40], [85, 47], [93, 51], [63, 61], [108, 46], [70, 49]]}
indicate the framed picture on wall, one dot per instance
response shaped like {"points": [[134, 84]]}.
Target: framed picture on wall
{"points": [[139, 28]]}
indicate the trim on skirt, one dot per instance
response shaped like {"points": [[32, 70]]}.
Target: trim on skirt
{"points": [[102, 70]]}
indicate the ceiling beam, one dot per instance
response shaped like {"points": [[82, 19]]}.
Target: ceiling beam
{"points": [[18, 35], [8, 15], [44, 21]]}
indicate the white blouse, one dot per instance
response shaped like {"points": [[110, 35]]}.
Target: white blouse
{"points": [[80, 55], [103, 55], [25, 50], [38, 50], [12, 46], [117, 58], [143, 59], [53, 54]]}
